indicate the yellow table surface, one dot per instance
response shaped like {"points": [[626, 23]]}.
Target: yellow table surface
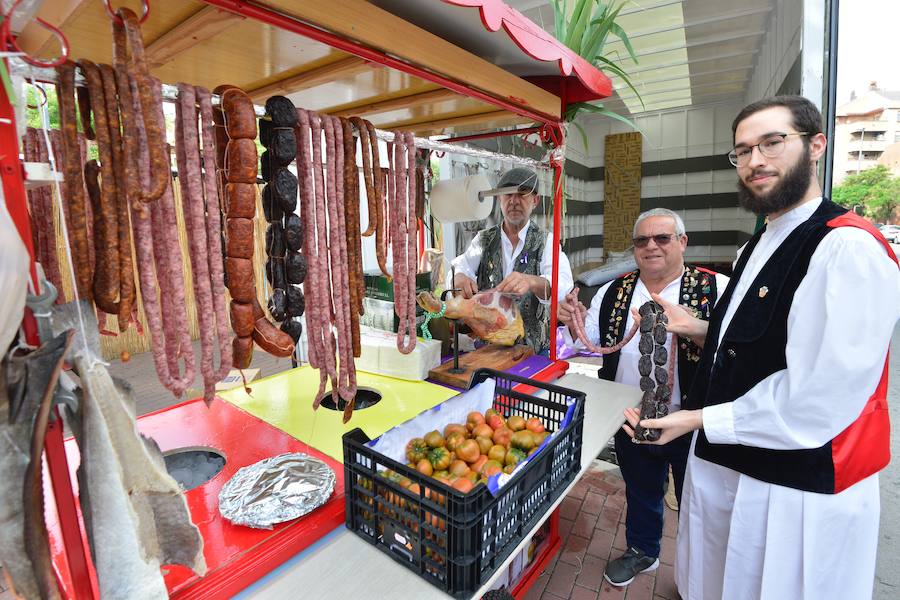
{"points": [[285, 401]]}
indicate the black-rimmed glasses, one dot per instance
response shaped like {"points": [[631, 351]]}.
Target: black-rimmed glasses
{"points": [[770, 147], [661, 239]]}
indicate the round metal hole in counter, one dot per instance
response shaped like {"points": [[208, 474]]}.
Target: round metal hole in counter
{"points": [[365, 398], [192, 467]]}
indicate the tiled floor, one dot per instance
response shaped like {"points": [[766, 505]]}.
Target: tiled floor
{"points": [[593, 531]]}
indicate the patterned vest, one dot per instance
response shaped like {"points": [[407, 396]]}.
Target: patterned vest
{"points": [[698, 292], [535, 315]]}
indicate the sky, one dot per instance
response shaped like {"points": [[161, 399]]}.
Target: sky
{"points": [[868, 46]]}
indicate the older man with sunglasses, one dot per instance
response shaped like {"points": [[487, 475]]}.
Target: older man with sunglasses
{"points": [[659, 243]]}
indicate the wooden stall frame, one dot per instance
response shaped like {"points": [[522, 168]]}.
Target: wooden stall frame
{"points": [[13, 178]]}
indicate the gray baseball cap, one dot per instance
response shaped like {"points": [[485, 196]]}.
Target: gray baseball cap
{"points": [[524, 179]]}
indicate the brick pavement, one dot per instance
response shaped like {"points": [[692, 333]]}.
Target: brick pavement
{"points": [[592, 526]]}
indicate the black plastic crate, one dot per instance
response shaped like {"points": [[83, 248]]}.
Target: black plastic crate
{"points": [[456, 541]]}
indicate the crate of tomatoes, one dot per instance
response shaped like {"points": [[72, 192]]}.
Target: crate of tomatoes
{"points": [[452, 502]]}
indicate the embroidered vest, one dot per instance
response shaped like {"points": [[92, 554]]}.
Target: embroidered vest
{"points": [[698, 292], [535, 315], [753, 348]]}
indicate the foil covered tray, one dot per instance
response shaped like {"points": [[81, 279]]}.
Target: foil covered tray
{"points": [[277, 489]]}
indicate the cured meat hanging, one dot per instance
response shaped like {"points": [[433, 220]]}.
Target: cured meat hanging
{"points": [[248, 318], [654, 360]]}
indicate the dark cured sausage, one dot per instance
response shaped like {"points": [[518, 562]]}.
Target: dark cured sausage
{"points": [[73, 182]]}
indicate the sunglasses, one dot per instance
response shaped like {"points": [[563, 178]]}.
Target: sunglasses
{"points": [[661, 239]]}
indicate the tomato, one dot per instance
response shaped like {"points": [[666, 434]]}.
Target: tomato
{"points": [[522, 440], [498, 453], [425, 467], [491, 467], [434, 439], [495, 421], [414, 488], [455, 427], [416, 450], [484, 444], [508, 469], [459, 468], [454, 440], [482, 430], [463, 484], [440, 459], [514, 456], [516, 423], [474, 418], [503, 436], [479, 464], [489, 412], [534, 424], [469, 451], [472, 476], [533, 450]]}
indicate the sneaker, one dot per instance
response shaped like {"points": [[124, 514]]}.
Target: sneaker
{"points": [[621, 571]]}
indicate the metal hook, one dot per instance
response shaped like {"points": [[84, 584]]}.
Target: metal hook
{"points": [[145, 4], [43, 92], [11, 42]]}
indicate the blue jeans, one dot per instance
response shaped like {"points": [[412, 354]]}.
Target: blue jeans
{"points": [[645, 469]]}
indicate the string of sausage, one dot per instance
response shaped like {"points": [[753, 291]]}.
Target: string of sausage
{"points": [[402, 203], [153, 120], [212, 204], [354, 238], [73, 182], [190, 179], [411, 245], [41, 207], [325, 312], [312, 285], [159, 256]]}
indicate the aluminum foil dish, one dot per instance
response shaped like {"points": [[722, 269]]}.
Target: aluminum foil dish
{"points": [[277, 489]]}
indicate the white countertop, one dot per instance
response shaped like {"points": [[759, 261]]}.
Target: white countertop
{"points": [[343, 565]]}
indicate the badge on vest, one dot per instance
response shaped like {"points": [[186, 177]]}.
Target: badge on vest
{"points": [[763, 291]]}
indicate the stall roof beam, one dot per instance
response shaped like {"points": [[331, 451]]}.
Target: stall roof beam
{"points": [[361, 28], [206, 23], [495, 116], [346, 67], [372, 107]]}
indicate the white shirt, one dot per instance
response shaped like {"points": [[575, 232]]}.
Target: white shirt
{"points": [[467, 262], [627, 371]]}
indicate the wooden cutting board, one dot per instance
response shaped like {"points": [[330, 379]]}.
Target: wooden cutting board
{"points": [[490, 357]]}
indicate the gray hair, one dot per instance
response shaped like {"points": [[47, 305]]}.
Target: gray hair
{"points": [[661, 212]]}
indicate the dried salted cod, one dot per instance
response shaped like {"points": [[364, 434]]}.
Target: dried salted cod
{"points": [[137, 515], [27, 384]]}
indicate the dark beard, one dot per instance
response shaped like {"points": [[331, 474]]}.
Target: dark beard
{"points": [[792, 187]]}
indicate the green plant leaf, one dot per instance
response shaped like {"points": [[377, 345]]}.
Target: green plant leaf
{"points": [[602, 110], [620, 33], [559, 20], [617, 70], [584, 137], [578, 24]]}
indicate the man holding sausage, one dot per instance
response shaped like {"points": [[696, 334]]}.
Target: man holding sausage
{"points": [[516, 257], [781, 496], [659, 242]]}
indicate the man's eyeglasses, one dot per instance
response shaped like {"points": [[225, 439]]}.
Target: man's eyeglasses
{"points": [[661, 239], [770, 147]]}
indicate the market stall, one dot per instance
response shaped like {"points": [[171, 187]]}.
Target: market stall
{"points": [[346, 58]]}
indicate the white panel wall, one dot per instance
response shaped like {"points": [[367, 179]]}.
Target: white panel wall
{"points": [[779, 50]]}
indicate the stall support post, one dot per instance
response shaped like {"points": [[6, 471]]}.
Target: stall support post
{"points": [[557, 227], [13, 174]]}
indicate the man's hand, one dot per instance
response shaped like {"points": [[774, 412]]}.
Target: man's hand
{"points": [[465, 284], [673, 426], [567, 310], [681, 320], [519, 283]]}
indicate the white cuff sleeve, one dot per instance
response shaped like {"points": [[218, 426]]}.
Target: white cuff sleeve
{"points": [[718, 423]]}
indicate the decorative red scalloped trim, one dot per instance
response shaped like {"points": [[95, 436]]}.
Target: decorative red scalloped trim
{"points": [[538, 44]]}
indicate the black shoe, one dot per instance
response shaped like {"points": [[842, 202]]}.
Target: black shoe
{"points": [[621, 571]]}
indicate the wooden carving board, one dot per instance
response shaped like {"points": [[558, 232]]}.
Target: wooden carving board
{"points": [[491, 357]]}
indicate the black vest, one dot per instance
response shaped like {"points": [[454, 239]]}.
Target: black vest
{"points": [[698, 292], [753, 348], [535, 315]]}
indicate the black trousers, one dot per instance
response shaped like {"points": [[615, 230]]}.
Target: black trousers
{"points": [[645, 469]]}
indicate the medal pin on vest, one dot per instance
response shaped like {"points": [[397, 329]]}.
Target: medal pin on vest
{"points": [[763, 291]]}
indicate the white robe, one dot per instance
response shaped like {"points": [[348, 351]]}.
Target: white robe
{"points": [[741, 538]]}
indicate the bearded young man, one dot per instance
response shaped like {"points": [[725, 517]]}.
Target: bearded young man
{"points": [[516, 257], [659, 242], [781, 492]]}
